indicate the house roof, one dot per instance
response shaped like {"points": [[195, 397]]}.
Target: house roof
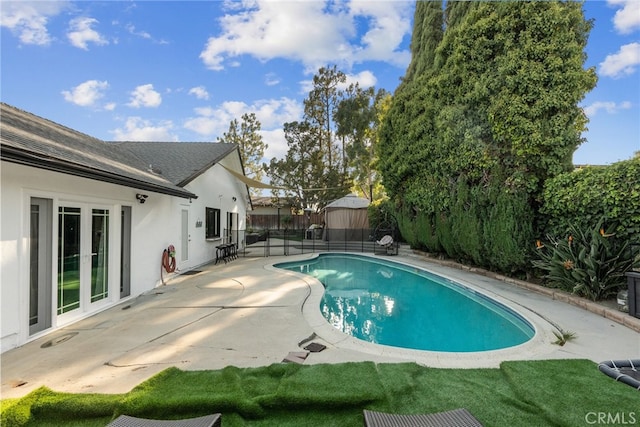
{"points": [[179, 162], [163, 167], [272, 201]]}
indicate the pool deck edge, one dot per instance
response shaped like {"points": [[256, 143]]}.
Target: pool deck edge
{"points": [[617, 316]]}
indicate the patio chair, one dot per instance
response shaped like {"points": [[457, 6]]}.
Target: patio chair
{"points": [[386, 242], [213, 420], [625, 371], [455, 418]]}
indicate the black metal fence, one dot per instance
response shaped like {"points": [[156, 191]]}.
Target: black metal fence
{"points": [[283, 220], [272, 242]]}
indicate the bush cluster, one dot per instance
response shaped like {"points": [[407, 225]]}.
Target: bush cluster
{"points": [[591, 218], [485, 227], [580, 198], [590, 263]]}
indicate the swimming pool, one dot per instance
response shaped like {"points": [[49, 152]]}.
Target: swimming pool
{"points": [[393, 304]]}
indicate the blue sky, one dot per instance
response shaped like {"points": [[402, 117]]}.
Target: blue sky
{"points": [[181, 71]]}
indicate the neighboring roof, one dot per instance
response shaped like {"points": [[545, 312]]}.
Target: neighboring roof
{"points": [[163, 167], [272, 201], [350, 201], [262, 201], [179, 162]]}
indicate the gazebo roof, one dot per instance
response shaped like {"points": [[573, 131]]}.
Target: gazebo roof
{"points": [[350, 201]]}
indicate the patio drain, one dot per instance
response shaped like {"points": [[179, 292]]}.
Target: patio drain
{"points": [[191, 272], [59, 340]]}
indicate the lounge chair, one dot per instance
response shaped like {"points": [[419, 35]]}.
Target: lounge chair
{"points": [[387, 243], [455, 418], [213, 420], [625, 371]]}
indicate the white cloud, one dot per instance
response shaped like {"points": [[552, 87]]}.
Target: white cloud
{"points": [[138, 129], [313, 32], [143, 34], [609, 106], [86, 94], [271, 79], [212, 122], [627, 19], [271, 113], [365, 79], [389, 22], [132, 30], [80, 33], [276, 144], [208, 123], [622, 63], [28, 20], [199, 92], [145, 96]]}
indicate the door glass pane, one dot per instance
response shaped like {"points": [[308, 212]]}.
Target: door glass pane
{"points": [[68, 259], [99, 254], [34, 265]]}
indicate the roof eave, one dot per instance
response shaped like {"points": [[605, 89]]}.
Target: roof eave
{"points": [[56, 165]]}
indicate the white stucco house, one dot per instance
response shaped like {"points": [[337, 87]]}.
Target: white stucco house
{"points": [[84, 222]]}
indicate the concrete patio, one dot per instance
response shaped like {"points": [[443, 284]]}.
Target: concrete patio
{"points": [[247, 313]]}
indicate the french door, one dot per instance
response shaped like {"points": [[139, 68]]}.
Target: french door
{"points": [[83, 258]]}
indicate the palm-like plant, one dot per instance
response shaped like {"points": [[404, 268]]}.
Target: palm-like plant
{"points": [[591, 264]]}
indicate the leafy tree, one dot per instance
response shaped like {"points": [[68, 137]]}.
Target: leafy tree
{"points": [[320, 107], [357, 119], [427, 35], [581, 197], [315, 167], [303, 171], [247, 135]]}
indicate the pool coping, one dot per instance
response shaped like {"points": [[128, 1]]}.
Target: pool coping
{"points": [[617, 316], [537, 347]]}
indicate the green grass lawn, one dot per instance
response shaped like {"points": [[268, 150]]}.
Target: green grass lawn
{"points": [[529, 393]]}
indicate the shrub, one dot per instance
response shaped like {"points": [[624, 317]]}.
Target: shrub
{"points": [[583, 196], [381, 213], [467, 225], [508, 229], [590, 264]]}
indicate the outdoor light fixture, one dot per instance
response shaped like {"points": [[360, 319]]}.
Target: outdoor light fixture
{"points": [[141, 197]]}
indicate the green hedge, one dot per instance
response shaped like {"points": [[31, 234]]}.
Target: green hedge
{"points": [[580, 198]]}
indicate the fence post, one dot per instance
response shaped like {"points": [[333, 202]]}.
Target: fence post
{"points": [[266, 244]]}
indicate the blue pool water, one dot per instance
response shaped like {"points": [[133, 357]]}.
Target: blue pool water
{"points": [[389, 303]]}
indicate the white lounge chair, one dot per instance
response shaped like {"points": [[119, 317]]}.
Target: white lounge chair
{"points": [[387, 243]]}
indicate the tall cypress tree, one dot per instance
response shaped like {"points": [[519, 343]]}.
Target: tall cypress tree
{"points": [[427, 35], [478, 133]]}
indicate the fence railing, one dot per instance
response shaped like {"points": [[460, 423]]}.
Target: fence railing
{"points": [[283, 220], [272, 242]]}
